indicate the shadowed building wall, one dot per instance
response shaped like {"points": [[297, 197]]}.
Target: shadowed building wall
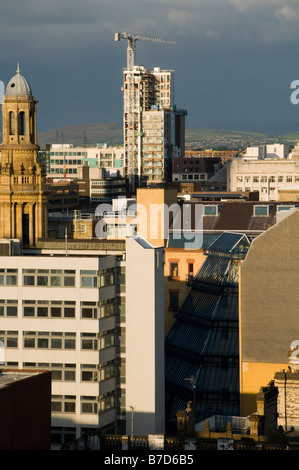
{"points": [[269, 299]]}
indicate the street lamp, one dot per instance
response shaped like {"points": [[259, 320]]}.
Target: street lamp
{"points": [[132, 421]]}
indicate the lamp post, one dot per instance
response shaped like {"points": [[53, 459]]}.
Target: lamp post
{"points": [[132, 421]]}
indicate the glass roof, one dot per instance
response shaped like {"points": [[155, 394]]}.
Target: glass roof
{"points": [[230, 243], [204, 340]]}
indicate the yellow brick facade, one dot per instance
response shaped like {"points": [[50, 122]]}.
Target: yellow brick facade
{"points": [[23, 200]]}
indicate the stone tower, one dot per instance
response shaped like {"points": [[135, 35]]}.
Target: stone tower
{"points": [[23, 200]]}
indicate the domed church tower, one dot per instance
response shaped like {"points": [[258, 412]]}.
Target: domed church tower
{"points": [[23, 200]]}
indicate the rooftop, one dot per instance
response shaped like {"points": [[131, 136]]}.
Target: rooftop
{"points": [[9, 377]]}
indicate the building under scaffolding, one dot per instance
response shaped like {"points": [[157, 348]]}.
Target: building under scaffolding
{"points": [[202, 347]]}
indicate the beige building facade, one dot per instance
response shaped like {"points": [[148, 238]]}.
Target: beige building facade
{"points": [[266, 169]]}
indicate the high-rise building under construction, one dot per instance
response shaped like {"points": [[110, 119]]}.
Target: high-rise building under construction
{"points": [[154, 129]]}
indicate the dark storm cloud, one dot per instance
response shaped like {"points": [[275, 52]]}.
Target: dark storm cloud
{"points": [[234, 59]]}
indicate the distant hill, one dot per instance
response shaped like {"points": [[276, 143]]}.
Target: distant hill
{"points": [[112, 134], [88, 134]]}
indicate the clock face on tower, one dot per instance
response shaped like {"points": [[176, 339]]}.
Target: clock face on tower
{"points": [[23, 200]]}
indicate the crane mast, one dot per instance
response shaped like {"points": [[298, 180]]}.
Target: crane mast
{"points": [[132, 113]]}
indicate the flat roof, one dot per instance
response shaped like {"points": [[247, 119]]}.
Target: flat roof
{"points": [[8, 377]]}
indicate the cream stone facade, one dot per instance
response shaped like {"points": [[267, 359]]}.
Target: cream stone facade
{"points": [[266, 169]]}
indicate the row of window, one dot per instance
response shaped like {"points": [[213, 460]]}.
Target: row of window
{"points": [[58, 340], [57, 277], [191, 177], [88, 404], [67, 162], [61, 170], [58, 309], [267, 179], [73, 154], [88, 372], [174, 269]]}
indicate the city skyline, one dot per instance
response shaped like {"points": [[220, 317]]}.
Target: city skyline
{"points": [[234, 60]]}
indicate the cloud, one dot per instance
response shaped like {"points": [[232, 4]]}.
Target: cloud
{"points": [[213, 34], [287, 13], [243, 6]]}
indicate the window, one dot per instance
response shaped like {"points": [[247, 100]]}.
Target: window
{"points": [[62, 435], [285, 208], [261, 210], [8, 308], [210, 210], [59, 372], [106, 277], [89, 310], [66, 372], [89, 404], [49, 340], [12, 123], [289, 179], [173, 300], [89, 278], [9, 339], [190, 269], [120, 279], [107, 308], [21, 123], [63, 404], [256, 179], [49, 309], [49, 277], [8, 277], [107, 402], [107, 339], [174, 269], [107, 370], [89, 341], [89, 373]]}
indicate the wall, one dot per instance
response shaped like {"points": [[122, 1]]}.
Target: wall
{"points": [[179, 283], [144, 337], [269, 300], [152, 228], [25, 409]]}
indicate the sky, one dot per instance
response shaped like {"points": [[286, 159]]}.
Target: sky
{"points": [[234, 60]]}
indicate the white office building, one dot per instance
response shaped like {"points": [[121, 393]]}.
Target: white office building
{"points": [[93, 316], [267, 169], [66, 160]]}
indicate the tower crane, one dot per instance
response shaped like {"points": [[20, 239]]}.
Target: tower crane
{"points": [[132, 124]]}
